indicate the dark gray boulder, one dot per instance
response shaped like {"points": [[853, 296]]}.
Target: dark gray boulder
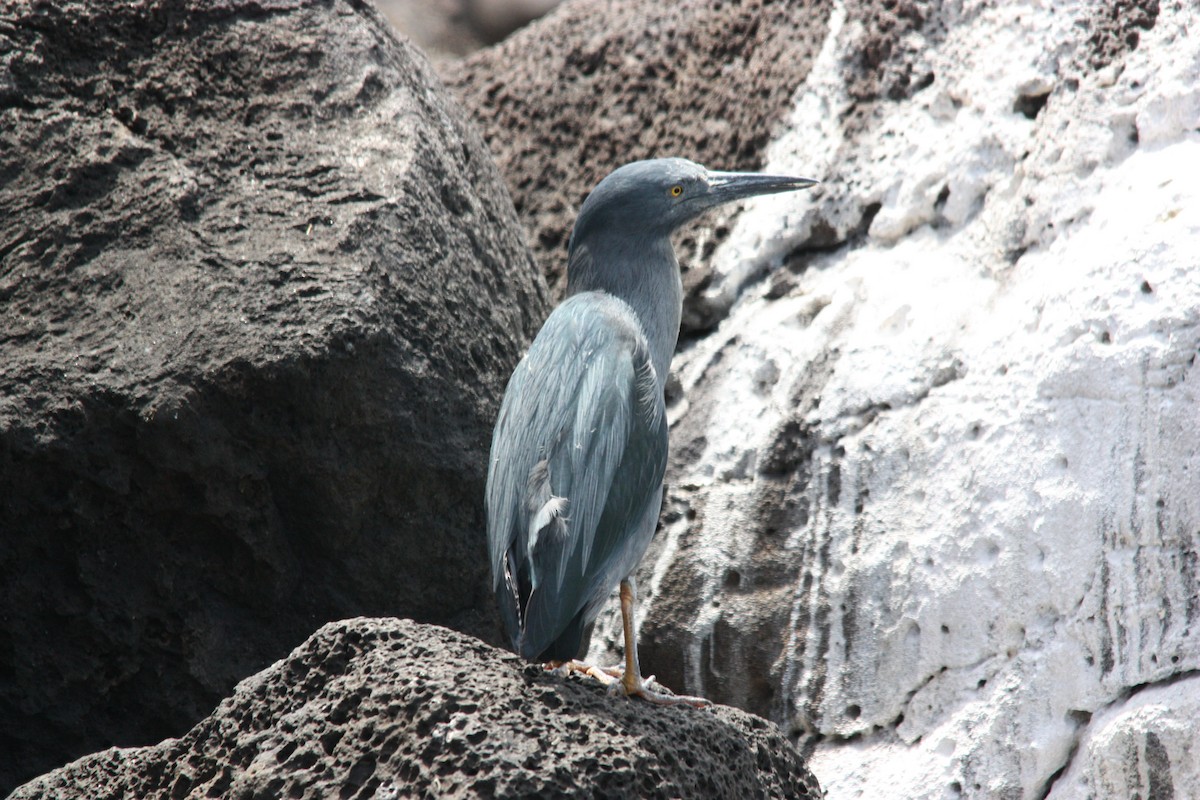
{"points": [[260, 290], [384, 708]]}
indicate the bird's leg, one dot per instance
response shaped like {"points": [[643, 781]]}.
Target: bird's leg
{"points": [[632, 678], [631, 682]]}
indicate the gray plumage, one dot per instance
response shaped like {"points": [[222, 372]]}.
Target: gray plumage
{"points": [[580, 446]]}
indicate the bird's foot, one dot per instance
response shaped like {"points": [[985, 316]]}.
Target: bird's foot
{"points": [[606, 675], [619, 682], [652, 691]]}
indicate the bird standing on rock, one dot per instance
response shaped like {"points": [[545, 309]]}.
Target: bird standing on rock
{"points": [[579, 450]]}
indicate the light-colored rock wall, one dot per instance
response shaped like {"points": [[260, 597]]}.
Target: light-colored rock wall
{"points": [[936, 497]]}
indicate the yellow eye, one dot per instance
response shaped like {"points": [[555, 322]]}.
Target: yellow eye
{"points": [[676, 191]]}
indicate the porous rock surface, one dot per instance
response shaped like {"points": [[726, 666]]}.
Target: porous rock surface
{"points": [[592, 86], [446, 30], [260, 290], [382, 708], [933, 492]]}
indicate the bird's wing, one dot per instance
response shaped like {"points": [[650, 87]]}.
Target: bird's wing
{"points": [[582, 401]]}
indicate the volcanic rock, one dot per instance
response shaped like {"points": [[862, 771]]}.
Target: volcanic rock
{"points": [[260, 290], [932, 501], [383, 708], [592, 86]]}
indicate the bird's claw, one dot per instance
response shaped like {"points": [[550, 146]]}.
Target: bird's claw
{"points": [[605, 675], [652, 691], [613, 678]]}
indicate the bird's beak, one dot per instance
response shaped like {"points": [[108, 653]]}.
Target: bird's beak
{"points": [[725, 187]]}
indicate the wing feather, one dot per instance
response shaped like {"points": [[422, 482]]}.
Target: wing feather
{"points": [[582, 424]]}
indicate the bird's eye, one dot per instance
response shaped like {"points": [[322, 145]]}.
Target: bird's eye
{"points": [[676, 190]]}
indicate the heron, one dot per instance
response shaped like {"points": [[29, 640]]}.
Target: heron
{"points": [[579, 449]]}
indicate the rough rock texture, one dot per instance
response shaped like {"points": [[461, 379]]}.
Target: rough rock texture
{"points": [[440, 28], [595, 85], [1144, 747], [933, 499], [388, 708], [260, 290], [446, 30]]}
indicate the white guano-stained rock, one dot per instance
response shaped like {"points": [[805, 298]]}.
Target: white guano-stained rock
{"points": [[935, 497], [1145, 746]]}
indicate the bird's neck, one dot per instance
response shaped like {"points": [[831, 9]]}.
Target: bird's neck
{"points": [[646, 276]]}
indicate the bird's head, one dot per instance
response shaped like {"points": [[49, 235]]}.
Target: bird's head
{"points": [[653, 198]]}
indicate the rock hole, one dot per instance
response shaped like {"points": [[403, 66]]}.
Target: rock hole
{"points": [[285, 752], [1079, 716], [834, 483], [853, 711], [330, 740], [987, 552], [861, 501], [1030, 105], [868, 216], [940, 202]]}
